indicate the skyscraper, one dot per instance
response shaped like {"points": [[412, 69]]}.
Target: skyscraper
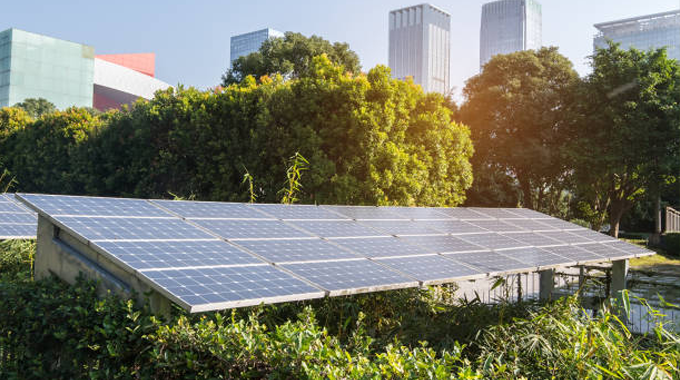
{"points": [[643, 33], [247, 43], [509, 26], [420, 46]]}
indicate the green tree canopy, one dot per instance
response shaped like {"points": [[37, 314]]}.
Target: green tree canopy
{"points": [[627, 140], [516, 110], [290, 56], [369, 139], [37, 107]]}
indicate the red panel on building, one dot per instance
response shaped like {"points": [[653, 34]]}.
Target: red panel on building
{"points": [[144, 63]]}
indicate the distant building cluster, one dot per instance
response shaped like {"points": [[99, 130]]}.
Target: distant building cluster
{"points": [[70, 74]]}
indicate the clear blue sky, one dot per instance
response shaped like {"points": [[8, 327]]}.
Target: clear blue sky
{"points": [[191, 38]]}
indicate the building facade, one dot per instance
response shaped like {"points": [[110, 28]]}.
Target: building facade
{"points": [[70, 74], [420, 46], [643, 33], [509, 26], [247, 43]]}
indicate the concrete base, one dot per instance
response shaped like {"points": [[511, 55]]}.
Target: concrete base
{"points": [[60, 254], [547, 285]]}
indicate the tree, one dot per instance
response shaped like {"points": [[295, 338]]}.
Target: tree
{"points": [[37, 107], [627, 139], [290, 56], [517, 112]]}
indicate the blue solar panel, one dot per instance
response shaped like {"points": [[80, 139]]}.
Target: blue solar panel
{"points": [[444, 244], [419, 213], [18, 231], [573, 253], [560, 224], [351, 277], [603, 250], [250, 229], [490, 262], [281, 211], [217, 210], [177, 254], [19, 218], [221, 288], [400, 227], [431, 270], [535, 257], [527, 213], [382, 247], [462, 213], [534, 239], [496, 226], [296, 250], [453, 227], [532, 225], [567, 237], [498, 213], [99, 228], [62, 205], [364, 212], [494, 241], [631, 249], [337, 229], [593, 235]]}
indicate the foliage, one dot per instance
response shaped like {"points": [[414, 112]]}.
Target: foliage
{"points": [[627, 138], [298, 164], [517, 111], [53, 330], [369, 139], [291, 57], [37, 107], [671, 243], [45, 155]]}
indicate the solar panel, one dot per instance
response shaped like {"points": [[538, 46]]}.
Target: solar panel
{"points": [[222, 288], [64, 205], [496, 226], [101, 228], [532, 225], [567, 237], [281, 211], [573, 253], [364, 212], [494, 241], [250, 229], [535, 257], [463, 213], [432, 270], [420, 213], [400, 227], [221, 210], [490, 262], [17, 231], [18, 218], [453, 227], [498, 213], [296, 250], [444, 244], [215, 255], [337, 229], [351, 277], [382, 247], [16, 221], [142, 255], [534, 239]]}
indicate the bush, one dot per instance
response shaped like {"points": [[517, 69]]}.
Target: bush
{"points": [[51, 330], [671, 243]]}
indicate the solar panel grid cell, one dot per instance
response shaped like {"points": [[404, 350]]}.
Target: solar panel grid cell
{"points": [[432, 269], [494, 241], [400, 228], [102, 228], [496, 225], [445, 244], [296, 212], [298, 250], [535, 257], [337, 229], [218, 210], [490, 262], [535, 239], [56, 205], [453, 227], [382, 247], [250, 229], [363, 212], [463, 213]]}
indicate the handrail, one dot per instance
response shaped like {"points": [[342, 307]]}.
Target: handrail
{"points": [[672, 220]]}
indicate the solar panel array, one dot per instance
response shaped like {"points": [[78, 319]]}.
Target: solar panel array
{"points": [[216, 255], [16, 221]]}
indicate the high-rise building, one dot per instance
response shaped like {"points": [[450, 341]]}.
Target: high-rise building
{"points": [[247, 43], [643, 33], [509, 26], [70, 74], [420, 46]]}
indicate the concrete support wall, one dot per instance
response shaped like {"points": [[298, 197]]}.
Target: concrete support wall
{"points": [[60, 254], [547, 284]]}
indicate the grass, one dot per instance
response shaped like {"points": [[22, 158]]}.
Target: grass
{"points": [[662, 262]]}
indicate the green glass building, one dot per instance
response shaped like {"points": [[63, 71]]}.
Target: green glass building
{"points": [[37, 66]]}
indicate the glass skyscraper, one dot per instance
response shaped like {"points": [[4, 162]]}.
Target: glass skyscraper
{"points": [[247, 43], [37, 66], [643, 33], [420, 46], [509, 26]]}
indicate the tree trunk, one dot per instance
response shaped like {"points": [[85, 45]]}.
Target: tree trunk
{"points": [[527, 199], [615, 215]]}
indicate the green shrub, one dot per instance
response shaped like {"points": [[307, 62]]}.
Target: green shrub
{"points": [[671, 243]]}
